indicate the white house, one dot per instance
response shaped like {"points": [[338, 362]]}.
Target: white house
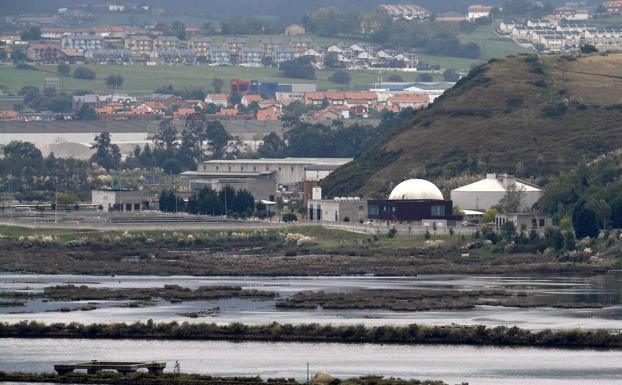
{"points": [[488, 192], [477, 11]]}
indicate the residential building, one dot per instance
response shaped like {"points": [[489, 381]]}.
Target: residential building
{"points": [[139, 43], [450, 17], [331, 113], [406, 11], [478, 11], [280, 55], [301, 43], [612, 7], [415, 101], [200, 44], [221, 100], [166, 42], [489, 192], [268, 113], [45, 53], [82, 42], [251, 57], [250, 98], [294, 29], [269, 44], [220, 55]]}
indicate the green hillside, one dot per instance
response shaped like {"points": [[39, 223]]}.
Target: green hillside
{"points": [[526, 115]]}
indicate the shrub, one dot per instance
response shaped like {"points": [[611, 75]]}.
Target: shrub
{"points": [[341, 77], [84, 73]]}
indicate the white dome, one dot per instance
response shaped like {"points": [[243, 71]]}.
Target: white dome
{"points": [[416, 189]]}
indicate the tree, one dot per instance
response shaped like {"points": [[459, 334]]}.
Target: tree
{"points": [[114, 81], [217, 85], [84, 73], [106, 154], [64, 69], [86, 112], [450, 75], [217, 137], [588, 48], [298, 68], [616, 213], [489, 216], [512, 200], [179, 29], [569, 241], [331, 60], [166, 136], [554, 238], [425, 78], [395, 78], [22, 151], [272, 147], [585, 221], [342, 77], [34, 33]]}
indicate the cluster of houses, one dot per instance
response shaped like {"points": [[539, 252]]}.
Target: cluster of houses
{"points": [[120, 45], [547, 36], [566, 29], [414, 12]]}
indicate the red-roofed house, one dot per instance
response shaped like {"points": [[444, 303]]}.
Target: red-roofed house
{"points": [[183, 113], [227, 112], [268, 113], [333, 113], [249, 98], [415, 101], [217, 99]]}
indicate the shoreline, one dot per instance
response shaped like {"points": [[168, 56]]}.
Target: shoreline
{"points": [[196, 379], [478, 335]]}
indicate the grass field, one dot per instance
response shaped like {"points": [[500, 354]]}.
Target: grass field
{"points": [[140, 78]]}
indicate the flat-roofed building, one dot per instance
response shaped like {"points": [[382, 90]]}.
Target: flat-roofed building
{"points": [[123, 200], [290, 172]]}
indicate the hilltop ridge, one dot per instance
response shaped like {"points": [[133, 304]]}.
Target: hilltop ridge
{"points": [[528, 115]]}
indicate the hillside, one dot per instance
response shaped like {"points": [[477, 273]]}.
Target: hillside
{"points": [[526, 115]]}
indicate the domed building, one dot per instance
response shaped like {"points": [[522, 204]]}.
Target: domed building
{"points": [[412, 200]]}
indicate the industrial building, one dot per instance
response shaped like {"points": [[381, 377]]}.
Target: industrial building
{"points": [[528, 220], [489, 192], [261, 184], [123, 200], [413, 200], [346, 209], [290, 172]]}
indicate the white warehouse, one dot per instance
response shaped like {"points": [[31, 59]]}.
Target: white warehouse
{"points": [[488, 192]]}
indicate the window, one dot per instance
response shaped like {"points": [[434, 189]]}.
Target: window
{"points": [[534, 222], [438, 211], [541, 222]]}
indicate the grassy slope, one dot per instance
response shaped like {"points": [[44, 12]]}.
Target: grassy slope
{"points": [[473, 129]]}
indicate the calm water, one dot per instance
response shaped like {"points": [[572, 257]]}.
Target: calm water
{"points": [[603, 289], [453, 364]]}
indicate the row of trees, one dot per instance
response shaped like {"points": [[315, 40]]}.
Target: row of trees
{"points": [[227, 201], [27, 174], [588, 198], [318, 140]]}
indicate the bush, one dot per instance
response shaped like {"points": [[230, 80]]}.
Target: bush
{"points": [[341, 77], [395, 78], [84, 73], [298, 68], [392, 232], [289, 217], [425, 78], [63, 69]]}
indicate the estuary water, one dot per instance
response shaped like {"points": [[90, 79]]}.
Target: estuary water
{"points": [[453, 364], [606, 290]]}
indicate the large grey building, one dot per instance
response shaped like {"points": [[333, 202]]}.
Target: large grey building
{"points": [[290, 172], [82, 42]]}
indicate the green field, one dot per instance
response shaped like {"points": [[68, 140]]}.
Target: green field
{"points": [[141, 78]]}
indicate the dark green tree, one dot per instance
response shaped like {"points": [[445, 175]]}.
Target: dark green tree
{"points": [[107, 155], [585, 221]]}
